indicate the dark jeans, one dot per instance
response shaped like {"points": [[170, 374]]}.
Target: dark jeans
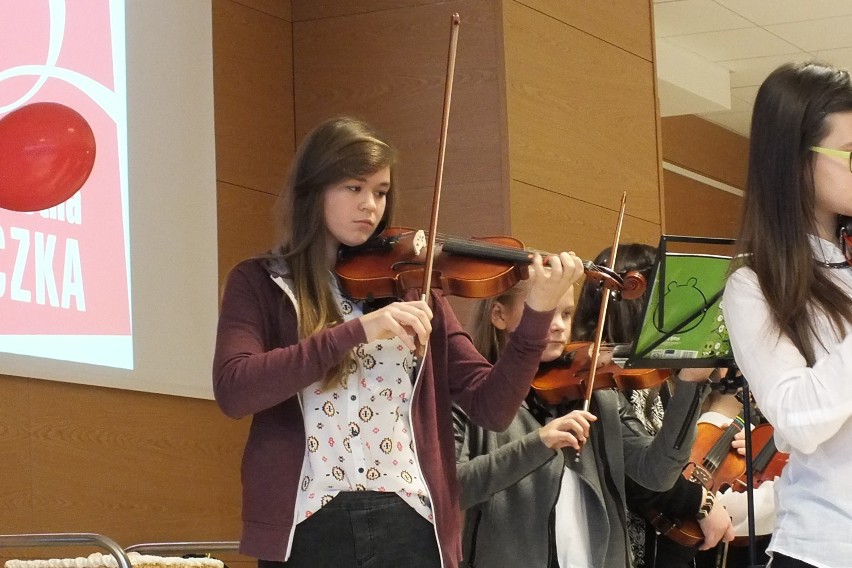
{"points": [[363, 529], [781, 561]]}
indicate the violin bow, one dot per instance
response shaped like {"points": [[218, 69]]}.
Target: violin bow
{"points": [[439, 176], [596, 346]]}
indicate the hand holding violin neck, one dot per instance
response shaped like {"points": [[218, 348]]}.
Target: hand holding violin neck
{"points": [[548, 284]]}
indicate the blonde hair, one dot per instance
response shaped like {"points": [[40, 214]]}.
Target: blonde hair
{"points": [[487, 339]]}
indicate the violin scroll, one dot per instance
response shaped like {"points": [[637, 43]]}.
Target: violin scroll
{"points": [[634, 285], [630, 286]]}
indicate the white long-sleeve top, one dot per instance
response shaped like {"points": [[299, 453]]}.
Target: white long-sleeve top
{"points": [[809, 408]]}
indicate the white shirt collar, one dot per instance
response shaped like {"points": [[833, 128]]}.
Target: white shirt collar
{"points": [[826, 251]]}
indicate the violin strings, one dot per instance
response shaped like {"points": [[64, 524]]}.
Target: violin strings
{"points": [[720, 449], [475, 245], [486, 248]]}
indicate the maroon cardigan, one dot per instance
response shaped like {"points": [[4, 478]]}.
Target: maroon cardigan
{"points": [[260, 366]]}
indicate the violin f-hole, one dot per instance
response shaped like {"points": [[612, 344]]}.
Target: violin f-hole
{"points": [[401, 265]]}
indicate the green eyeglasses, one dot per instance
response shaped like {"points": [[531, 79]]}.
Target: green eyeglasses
{"points": [[845, 154]]}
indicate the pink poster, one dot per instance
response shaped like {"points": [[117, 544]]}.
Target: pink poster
{"points": [[64, 271]]}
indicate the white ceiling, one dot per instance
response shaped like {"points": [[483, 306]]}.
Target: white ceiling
{"points": [[747, 38]]}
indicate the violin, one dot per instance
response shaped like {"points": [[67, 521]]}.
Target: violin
{"points": [[715, 465], [566, 378], [393, 262]]}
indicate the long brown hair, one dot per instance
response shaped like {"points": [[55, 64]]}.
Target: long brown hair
{"points": [[338, 149], [778, 216]]}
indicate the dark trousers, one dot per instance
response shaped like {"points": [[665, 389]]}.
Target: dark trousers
{"points": [[734, 556], [781, 561], [662, 552], [363, 529]]}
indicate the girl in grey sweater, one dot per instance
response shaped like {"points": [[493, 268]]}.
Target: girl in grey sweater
{"points": [[527, 500]]}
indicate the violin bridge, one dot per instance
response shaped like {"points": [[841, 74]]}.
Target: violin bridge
{"points": [[418, 242]]}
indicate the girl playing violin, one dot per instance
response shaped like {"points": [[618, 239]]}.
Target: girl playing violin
{"points": [[349, 457], [788, 308], [527, 500]]}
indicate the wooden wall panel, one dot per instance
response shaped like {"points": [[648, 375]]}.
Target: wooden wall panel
{"points": [[701, 146], [16, 488], [317, 9], [252, 72], [585, 127], [700, 210], [625, 23], [401, 92], [472, 209], [572, 224], [134, 465], [693, 208], [137, 467], [245, 224], [278, 8]]}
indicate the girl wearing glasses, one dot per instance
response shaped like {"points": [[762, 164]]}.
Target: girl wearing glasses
{"points": [[788, 305]]}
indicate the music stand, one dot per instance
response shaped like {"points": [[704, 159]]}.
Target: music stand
{"points": [[683, 327], [682, 323]]}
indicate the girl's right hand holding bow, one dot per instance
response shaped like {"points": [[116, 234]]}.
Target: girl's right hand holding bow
{"points": [[549, 282], [571, 429], [715, 524], [410, 321]]}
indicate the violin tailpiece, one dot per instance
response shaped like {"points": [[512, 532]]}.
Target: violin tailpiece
{"points": [[701, 476]]}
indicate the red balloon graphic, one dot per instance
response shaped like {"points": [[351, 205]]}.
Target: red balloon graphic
{"points": [[47, 151]]}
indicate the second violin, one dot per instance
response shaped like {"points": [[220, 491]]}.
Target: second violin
{"points": [[566, 379]]}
